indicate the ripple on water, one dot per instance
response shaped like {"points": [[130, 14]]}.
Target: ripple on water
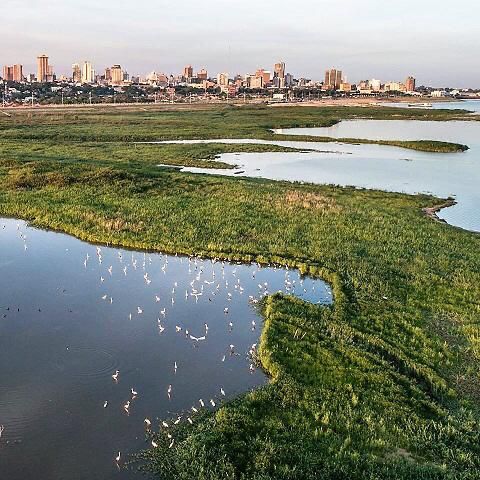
{"points": [[86, 362]]}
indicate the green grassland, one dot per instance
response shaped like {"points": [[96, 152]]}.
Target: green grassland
{"points": [[205, 122], [382, 385]]}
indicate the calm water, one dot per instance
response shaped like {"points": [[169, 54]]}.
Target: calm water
{"points": [[471, 105], [71, 315], [375, 166]]}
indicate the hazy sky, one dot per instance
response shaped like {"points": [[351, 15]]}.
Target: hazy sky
{"points": [[435, 40]]}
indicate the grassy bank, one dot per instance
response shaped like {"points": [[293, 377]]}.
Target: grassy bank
{"points": [[129, 156], [204, 122], [383, 385]]}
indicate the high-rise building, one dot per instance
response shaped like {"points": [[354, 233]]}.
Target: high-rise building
{"points": [[42, 68], [333, 79], [117, 74], [50, 74], [279, 70], [266, 76], [188, 72], [13, 73], [88, 73], [375, 85], [76, 73], [410, 84], [202, 74], [222, 79], [108, 75]]}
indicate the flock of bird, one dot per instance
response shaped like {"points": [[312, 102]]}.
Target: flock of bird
{"points": [[206, 279]]}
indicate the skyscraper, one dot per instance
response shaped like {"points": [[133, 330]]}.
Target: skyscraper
{"points": [[13, 73], [279, 70], [333, 79], [76, 73], [188, 72], [88, 73], [116, 73], [42, 68], [222, 79], [410, 84]]}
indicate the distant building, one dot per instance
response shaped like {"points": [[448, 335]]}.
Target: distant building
{"points": [[188, 72], [88, 73], [279, 70], [42, 68], [50, 74], [202, 74], [395, 87], [288, 80], [333, 79], [265, 74], [13, 73], [76, 73], [345, 87], [116, 75], [410, 84], [254, 82], [375, 85], [222, 80]]}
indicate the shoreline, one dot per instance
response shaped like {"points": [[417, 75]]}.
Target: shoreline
{"points": [[431, 212]]}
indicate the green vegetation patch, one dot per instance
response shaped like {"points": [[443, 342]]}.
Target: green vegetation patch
{"points": [[382, 385]]}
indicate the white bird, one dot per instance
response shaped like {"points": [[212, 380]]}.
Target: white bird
{"points": [[175, 367], [225, 310], [115, 375], [157, 298], [126, 407], [178, 329], [104, 297], [105, 405], [139, 310], [165, 424], [201, 402], [171, 443], [163, 311], [102, 279], [110, 268], [169, 391], [154, 444], [190, 421], [198, 339], [134, 393], [194, 410], [222, 391], [177, 421], [212, 402], [147, 422], [117, 458]]}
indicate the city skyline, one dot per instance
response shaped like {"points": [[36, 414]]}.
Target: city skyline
{"points": [[438, 45]]}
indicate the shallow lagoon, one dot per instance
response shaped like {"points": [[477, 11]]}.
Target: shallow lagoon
{"points": [[71, 315], [375, 166]]}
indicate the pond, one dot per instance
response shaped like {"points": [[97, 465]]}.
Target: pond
{"points": [[178, 330]]}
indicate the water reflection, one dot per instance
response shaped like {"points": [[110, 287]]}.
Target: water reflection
{"points": [[72, 314]]}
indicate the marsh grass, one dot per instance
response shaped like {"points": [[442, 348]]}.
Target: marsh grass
{"points": [[368, 388]]}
